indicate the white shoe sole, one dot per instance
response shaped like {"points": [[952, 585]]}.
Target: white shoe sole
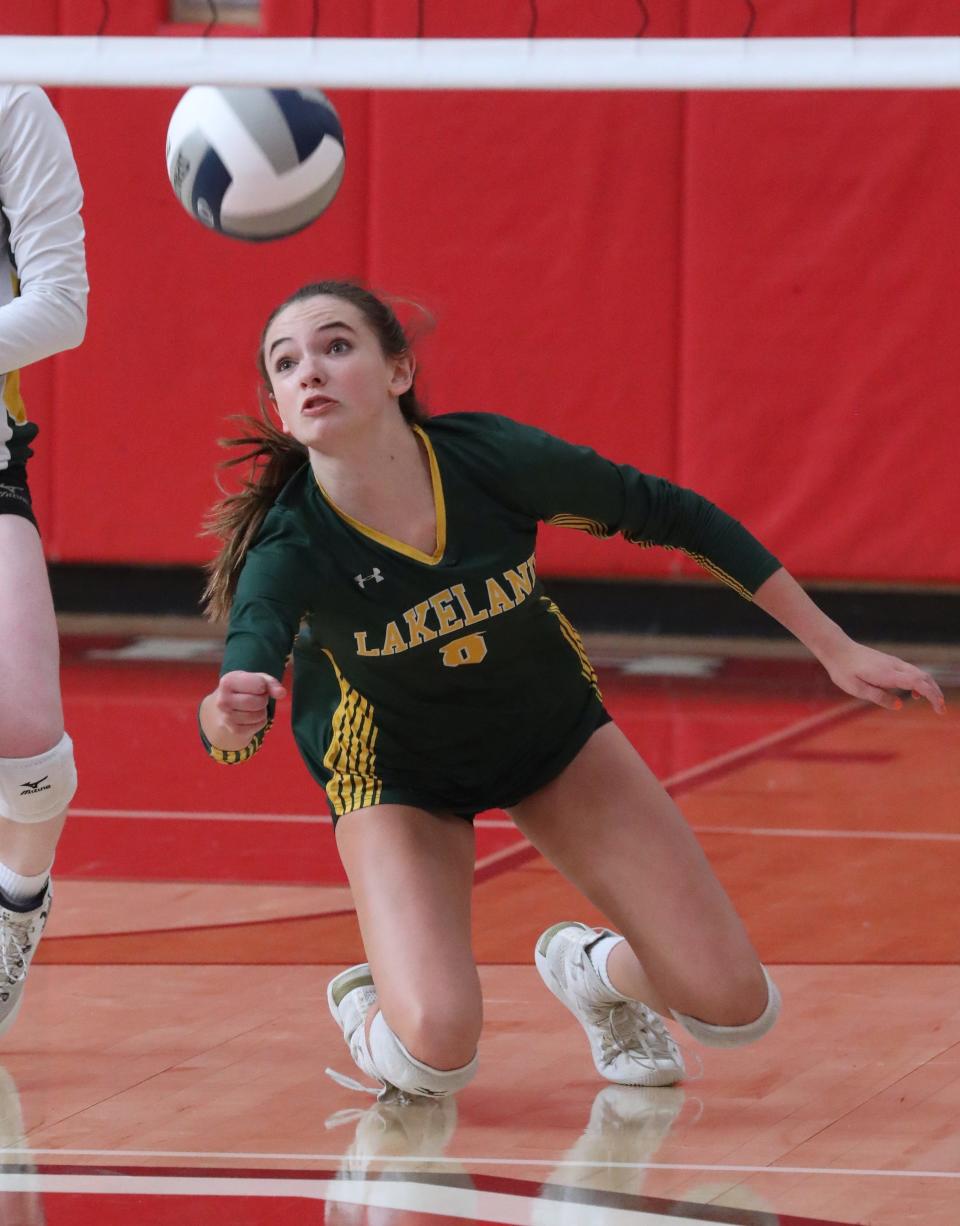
{"points": [[11, 1016]]}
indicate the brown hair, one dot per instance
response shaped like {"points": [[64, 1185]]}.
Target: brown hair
{"points": [[273, 456]]}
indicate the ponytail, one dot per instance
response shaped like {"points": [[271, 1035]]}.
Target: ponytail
{"points": [[274, 457]]}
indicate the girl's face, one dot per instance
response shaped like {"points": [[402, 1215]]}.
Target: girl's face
{"points": [[329, 378]]}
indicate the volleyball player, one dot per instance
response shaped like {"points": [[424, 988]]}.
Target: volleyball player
{"points": [[43, 297], [434, 678]]}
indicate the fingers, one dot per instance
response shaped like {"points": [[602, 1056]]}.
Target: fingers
{"points": [[925, 687], [921, 686], [874, 694], [243, 698], [885, 680]]}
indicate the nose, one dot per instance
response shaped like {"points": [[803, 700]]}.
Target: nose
{"points": [[312, 373]]}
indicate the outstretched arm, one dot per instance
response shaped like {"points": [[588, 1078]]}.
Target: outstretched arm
{"points": [[856, 669]]}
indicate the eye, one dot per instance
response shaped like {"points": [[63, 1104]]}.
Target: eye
{"points": [[283, 364], [340, 346]]}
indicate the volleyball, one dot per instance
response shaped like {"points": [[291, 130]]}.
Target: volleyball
{"points": [[254, 163]]}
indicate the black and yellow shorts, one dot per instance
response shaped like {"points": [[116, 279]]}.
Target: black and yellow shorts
{"points": [[15, 450], [507, 791], [507, 771], [15, 493]]}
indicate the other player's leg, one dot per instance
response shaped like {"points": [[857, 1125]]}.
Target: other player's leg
{"points": [[37, 773]]}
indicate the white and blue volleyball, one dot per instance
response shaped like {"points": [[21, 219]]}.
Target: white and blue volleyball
{"points": [[255, 163]]}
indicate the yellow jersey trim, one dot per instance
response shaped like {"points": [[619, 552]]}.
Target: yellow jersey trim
{"points": [[391, 542], [581, 523], [573, 640], [710, 567], [233, 757], [351, 757], [10, 383]]}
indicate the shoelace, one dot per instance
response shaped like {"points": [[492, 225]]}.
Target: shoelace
{"points": [[351, 1083], [631, 1030], [384, 1093], [15, 944]]}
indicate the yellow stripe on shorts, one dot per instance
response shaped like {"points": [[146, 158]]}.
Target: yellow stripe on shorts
{"points": [[12, 399], [351, 758]]}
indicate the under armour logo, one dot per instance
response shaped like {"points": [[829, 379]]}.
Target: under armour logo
{"points": [[30, 789], [374, 575]]}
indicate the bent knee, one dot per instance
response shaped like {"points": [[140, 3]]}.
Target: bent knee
{"points": [[39, 787], [398, 1067], [443, 1037], [30, 735], [741, 1020]]}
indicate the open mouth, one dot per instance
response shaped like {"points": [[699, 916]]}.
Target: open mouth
{"points": [[316, 404]]}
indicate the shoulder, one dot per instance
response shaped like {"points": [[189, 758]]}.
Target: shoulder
{"points": [[480, 431], [33, 138], [28, 105], [286, 525], [296, 492]]}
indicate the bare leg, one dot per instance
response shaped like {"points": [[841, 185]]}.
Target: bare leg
{"points": [[411, 874], [31, 714], [611, 829]]}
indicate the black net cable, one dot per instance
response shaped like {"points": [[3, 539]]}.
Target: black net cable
{"points": [[214, 17], [854, 18]]}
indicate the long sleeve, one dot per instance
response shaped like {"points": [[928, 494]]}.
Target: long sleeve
{"points": [[40, 196], [269, 602], [560, 483]]}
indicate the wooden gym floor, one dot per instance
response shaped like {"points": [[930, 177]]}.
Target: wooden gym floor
{"points": [[168, 1065]]}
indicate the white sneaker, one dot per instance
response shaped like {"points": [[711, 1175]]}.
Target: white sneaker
{"points": [[629, 1041], [20, 933], [351, 995]]}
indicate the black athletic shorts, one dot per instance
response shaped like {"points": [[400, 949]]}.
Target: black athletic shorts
{"points": [[475, 796], [15, 493]]}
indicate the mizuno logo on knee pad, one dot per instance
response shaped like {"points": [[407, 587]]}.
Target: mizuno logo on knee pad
{"points": [[31, 789], [38, 789]]}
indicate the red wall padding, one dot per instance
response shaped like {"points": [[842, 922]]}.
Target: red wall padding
{"points": [[754, 294]]}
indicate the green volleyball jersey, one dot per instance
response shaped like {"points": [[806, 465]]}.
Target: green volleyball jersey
{"points": [[446, 671]]}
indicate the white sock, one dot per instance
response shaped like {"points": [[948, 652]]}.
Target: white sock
{"points": [[19, 888], [599, 954]]}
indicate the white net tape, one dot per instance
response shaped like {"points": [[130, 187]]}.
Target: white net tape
{"points": [[492, 64]]}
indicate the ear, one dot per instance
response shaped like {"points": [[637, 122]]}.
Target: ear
{"points": [[404, 368], [273, 405]]}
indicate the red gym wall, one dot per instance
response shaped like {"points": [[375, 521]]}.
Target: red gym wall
{"points": [[753, 294]]}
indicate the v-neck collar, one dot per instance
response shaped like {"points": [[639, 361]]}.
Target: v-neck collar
{"points": [[391, 542]]}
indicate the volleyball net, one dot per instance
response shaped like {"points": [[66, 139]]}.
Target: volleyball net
{"points": [[487, 63]]}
